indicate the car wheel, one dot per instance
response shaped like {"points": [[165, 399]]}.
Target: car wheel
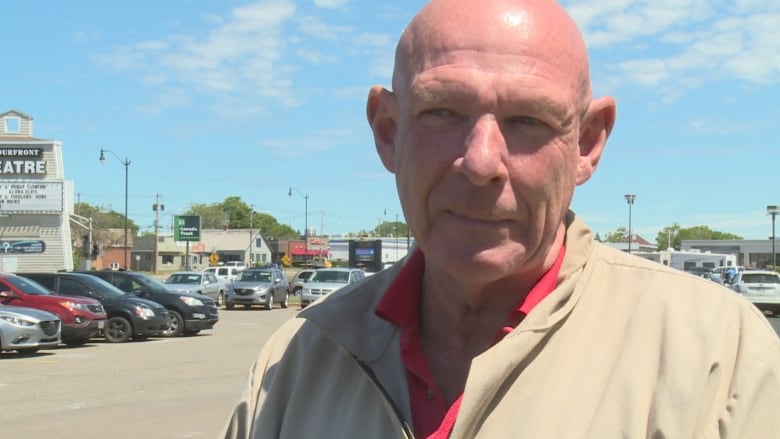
{"points": [[27, 351], [220, 298], [297, 291], [269, 305], [176, 325], [229, 305], [81, 341], [118, 330], [286, 301]]}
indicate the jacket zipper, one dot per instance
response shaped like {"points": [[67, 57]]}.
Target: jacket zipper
{"points": [[370, 372]]}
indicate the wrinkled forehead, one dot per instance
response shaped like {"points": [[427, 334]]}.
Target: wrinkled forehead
{"points": [[507, 35]]}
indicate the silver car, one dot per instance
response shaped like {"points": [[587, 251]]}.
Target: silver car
{"points": [[196, 282], [299, 280], [761, 287], [327, 280], [26, 330], [258, 286]]}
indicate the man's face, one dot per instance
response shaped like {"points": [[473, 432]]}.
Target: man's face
{"points": [[486, 156]]}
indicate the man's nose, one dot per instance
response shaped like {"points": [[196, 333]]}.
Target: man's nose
{"points": [[485, 149]]}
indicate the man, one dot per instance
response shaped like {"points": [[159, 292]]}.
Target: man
{"points": [[509, 320]]}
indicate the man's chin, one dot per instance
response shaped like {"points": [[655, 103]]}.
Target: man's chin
{"points": [[473, 263]]}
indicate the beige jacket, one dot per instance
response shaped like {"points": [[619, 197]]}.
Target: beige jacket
{"points": [[622, 348]]}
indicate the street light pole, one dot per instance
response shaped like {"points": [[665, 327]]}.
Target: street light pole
{"points": [[630, 200], [773, 210], [305, 222], [126, 163], [249, 262]]}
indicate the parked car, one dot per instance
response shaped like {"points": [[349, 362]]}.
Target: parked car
{"points": [[189, 313], [258, 286], [298, 281], [196, 282], [226, 273], [26, 330], [129, 316], [82, 318], [236, 264], [761, 287], [327, 280]]}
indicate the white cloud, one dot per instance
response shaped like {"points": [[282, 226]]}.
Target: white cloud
{"points": [[242, 55], [692, 41], [330, 4]]}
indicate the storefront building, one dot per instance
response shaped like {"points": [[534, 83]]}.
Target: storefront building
{"points": [[35, 199]]}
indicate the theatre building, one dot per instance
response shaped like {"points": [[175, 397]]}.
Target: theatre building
{"points": [[35, 199]]}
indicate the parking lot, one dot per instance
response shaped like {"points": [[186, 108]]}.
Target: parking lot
{"points": [[182, 387]]}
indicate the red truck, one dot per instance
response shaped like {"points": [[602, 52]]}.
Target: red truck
{"points": [[82, 317]]}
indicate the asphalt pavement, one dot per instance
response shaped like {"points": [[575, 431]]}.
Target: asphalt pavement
{"points": [[165, 388], [162, 388]]}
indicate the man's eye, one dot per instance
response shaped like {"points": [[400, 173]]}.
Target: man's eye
{"points": [[525, 120], [438, 112]]}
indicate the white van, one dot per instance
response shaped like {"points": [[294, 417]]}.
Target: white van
{"points": [[224, 272]]}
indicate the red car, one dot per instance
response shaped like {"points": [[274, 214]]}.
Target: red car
{"points": [[82, 317]]}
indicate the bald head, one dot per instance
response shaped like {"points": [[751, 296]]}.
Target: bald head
{"points": [[537, 29]]}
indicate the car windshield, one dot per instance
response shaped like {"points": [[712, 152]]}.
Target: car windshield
{"points": [[760, 278], [103, 287], [28, 286], [184, 278], [340, 277], [254, 276], [150, 283]]}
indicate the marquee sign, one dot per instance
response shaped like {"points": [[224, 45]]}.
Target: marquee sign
{"points": [[31, 196], [19, 161]]}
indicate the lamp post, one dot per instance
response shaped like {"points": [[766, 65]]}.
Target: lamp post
{"points": [[250, 263], [305, 222], [126, 163], [630, 200], [773, 210]]}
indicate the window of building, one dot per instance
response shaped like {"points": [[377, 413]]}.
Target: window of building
{"points": [[12, 125], [167, 259]]}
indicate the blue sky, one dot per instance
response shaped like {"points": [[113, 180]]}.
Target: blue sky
{"points": [[210, 99]]}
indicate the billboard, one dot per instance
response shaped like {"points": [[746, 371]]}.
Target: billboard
{"points": [[186, 228]]}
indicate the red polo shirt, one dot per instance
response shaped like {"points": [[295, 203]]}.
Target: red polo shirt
{"points": [[431, 416]]}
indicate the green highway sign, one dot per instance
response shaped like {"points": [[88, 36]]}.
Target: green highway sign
{"points": [[186, 228]]}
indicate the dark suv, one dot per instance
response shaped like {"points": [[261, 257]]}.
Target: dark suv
{"points": [[190, 313], [128, 315], [82, 318]]}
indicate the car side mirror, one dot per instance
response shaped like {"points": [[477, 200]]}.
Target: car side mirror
{"points": [[8, 294]]}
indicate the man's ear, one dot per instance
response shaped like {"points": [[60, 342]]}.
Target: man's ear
{"points": [[596, 126], [382, 112]]}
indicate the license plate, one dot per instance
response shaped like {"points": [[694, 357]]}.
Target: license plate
{"points": [[101, 324]]}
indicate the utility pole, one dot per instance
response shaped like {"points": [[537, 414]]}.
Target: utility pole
{"points": [[157, 208]]}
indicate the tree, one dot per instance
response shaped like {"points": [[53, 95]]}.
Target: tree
{"points": [[391, 228], [619, 235], [679, 234], [104, 217], [233, 213]]}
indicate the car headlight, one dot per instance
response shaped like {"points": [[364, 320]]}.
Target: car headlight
{"points": [[70, 306], [191, 301], [17, 321], [144, 311]]}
